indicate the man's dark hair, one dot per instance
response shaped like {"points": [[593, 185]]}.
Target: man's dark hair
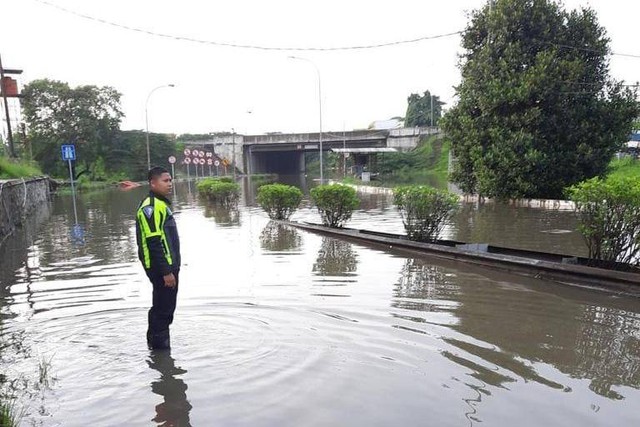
{"points": [[155, 172]]}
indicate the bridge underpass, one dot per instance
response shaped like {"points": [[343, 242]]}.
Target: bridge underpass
{"points": [[285, 153]]}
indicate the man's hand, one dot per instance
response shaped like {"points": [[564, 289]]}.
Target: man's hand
{"points": [[169, 280]]}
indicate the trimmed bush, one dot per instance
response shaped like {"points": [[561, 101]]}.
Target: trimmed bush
{"points": [[220, 192], [609, 217], [424, 210], [335, 203], [279, 200]]}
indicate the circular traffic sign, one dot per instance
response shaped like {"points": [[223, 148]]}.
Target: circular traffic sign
{"points": [[202, 161], [187, 160], [172, 159], [187, 152], [194, 153], [201, 153], [216, 163], [209, 154], [209, 162]]}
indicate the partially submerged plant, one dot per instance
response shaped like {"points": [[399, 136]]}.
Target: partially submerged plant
{"points": [[424, 210], [279, 200], [335, 203], [609, 217]]}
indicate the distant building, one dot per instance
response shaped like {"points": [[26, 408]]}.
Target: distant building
{"points": [[387, 124]]}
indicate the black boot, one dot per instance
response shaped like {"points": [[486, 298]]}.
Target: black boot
{"points": [[159, 341]]}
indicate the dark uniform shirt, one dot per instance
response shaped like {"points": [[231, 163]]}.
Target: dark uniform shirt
{"points": [[157, 235]]}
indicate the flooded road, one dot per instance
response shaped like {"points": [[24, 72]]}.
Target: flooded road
{"points": [[278, 327]]}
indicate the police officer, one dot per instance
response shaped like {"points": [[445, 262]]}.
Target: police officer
{"points": [[159, 252]]}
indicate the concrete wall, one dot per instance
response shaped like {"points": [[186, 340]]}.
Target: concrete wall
{"points": [[18, 199]]}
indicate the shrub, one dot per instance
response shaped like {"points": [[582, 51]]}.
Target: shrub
{"points": [[609, 217], [424, 210], [220, 192], [279, 200], [335, 203], [10, 168]]}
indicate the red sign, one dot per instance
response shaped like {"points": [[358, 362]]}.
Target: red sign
{"points": [[187, 160], [201, 153], [172, 159], [187, 152], [209, 154], [209, 162], [9, 87], [202, 161]]}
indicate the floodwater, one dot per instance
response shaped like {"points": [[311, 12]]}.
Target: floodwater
{"points": [[279, 327]]}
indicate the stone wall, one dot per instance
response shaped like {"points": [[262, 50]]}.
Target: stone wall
{"points": [[18, 199]]}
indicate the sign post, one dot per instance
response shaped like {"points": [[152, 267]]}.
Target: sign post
{"points": [[217, 165], [69, 155], [172, 160]]}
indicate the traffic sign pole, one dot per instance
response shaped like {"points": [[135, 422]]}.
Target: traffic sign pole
{"points": [[73, 192]]}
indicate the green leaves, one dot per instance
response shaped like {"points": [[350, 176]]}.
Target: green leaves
{"points": [[335, 203], [424, 210], [419, 110], [88, 116], [279, 200], [537, 108], [220, 192], [609, 217]]}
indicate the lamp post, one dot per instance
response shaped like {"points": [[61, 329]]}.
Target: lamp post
{"points": [[146, 120], [319, 110]]}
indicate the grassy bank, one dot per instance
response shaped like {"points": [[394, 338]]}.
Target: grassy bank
{"points": [[10, 168], [625, 168], [426, 164]]}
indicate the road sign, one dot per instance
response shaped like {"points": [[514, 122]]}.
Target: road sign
{"points": [[201, 153], [187, 160], [216, 163], [202, 161], [194, 153], [209, 162], [68, 152], [187, 152], [209, 154], [172, 159]]}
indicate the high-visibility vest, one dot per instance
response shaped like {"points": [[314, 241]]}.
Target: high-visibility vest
{"points": [[151, 216]]}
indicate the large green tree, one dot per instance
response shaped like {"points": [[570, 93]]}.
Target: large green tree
{"points": [[55, 113], [537, 108], [419, 110]]}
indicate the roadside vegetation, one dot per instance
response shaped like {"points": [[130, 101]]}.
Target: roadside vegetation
{"points": [[609, 217], [335, 203], [221, 191], [424, 210], [278, 200], [10, 168]]}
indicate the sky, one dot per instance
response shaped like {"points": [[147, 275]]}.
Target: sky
{"points": [[254, 91]]}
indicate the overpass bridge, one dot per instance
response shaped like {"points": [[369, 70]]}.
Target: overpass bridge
{"points": [[285, 152]]}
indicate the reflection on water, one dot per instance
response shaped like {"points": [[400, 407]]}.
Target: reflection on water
{"points": [[335, 258], [272, 321], [277, 237], [174, 409]]}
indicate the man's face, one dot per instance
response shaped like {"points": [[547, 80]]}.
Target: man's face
{"points": [[162, 185]]}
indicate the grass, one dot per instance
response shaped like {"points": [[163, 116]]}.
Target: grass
{"points": [[10, 168], [10, 415], [626, 167]]}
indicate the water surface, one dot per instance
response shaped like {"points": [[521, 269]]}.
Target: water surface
{"points": [[277, 326]]}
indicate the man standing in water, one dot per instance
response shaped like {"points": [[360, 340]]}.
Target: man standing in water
{"points": [[159, 252]]}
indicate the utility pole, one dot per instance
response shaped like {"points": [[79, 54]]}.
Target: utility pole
{"points": [[233, 151], [4, 89], [431, 109]]}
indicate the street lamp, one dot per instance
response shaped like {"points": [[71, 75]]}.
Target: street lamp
{"points": [[319, 109], [146, 119]]}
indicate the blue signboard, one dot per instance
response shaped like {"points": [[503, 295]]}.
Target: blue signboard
{"points": [[68, 152]]}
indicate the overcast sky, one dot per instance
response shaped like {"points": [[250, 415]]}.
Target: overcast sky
{"points": [[216, 86]]}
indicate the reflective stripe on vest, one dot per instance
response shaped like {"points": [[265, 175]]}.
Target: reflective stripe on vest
{"points": [[158, 219]]}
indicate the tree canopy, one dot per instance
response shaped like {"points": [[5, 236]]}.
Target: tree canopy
{"points": [[419, 110], [538, 110], [88, 116]]}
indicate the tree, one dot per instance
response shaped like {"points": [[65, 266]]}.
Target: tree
{"points": [[88, 116], [537, 109], [419, 110]]}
